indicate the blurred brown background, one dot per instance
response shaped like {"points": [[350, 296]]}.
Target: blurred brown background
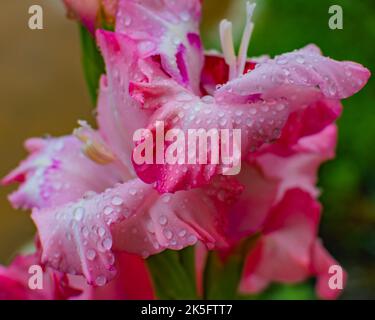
{"points": [[42, 91]]}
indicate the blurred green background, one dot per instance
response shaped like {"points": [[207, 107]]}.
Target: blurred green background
{"points": [[42, 91]]}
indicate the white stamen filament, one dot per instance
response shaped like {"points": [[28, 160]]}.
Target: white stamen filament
{"points": [[226, 38], [246, 36], [236, 65]]}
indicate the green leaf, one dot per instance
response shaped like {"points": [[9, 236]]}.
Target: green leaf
{"points": [[173, 274], [92, 61], [222, 275]]}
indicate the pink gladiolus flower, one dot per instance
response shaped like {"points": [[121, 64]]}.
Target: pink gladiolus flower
{"points": [[131, 283], [91, 202]]}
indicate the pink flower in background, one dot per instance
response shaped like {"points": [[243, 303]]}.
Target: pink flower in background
{"points": [[132, 282], [93, 207]]}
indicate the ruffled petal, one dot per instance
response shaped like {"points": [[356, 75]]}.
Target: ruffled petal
{"points": [[14, 282], [302, 123], [283, 252], [299, 78], [78, 238], [181, 110], [57, 172], [260, 115], [132, 282], [268, 176], [320, 266], [169, 29], [119, 116]]}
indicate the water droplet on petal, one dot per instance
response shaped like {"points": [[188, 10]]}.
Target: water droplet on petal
{"points": [[300, 60], [280, 107], [78, 213], [168, 234], [163, 220], [108, 210], [166, 198], [107, 243], [192, 239], [85, 232], [332, 89], [101, 231], [208, 99], [282, 60], [117, 201], [90, 254], [100, 281]]}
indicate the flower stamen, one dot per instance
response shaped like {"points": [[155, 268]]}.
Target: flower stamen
{"points": [[236, 64], [93, 147], [246, 36], [226, 39]]}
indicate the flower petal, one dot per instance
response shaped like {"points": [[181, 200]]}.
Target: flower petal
{"points": [[14, 282], [300, 78], [321, 264], [118, 114], [77, 238], [282, 253], [169, 29], [90, 11], [132, 282], [257, 122], [215, 71], [57, 172], [268, 176]]}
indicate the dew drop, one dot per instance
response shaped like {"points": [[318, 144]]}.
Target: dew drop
{"points": [[192, 239], [163, 220], [182, 233], [85, 232], [101, 231], [208, 99], [168, 234], [166, 198], [108, 210], [107, 243], [90, 254], [100, 281], [78, 213], [332, 90], [282, 60], [280, 107], [300, 60], [117, 201]]}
